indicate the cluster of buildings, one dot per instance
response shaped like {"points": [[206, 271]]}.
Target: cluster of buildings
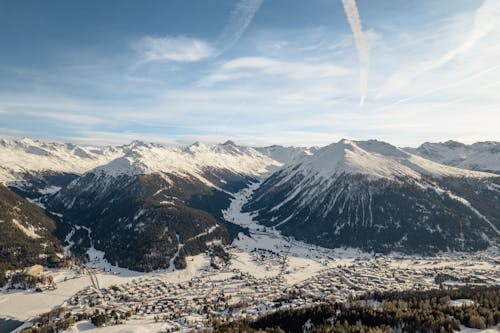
{"points": [[229, 293], [188, 304]]}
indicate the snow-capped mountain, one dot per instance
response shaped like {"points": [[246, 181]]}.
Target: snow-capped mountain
{"points": [[286, 155], [193, 161], [154, 205], [482, 156], [35, 168], [147, 206], [372, 195]]}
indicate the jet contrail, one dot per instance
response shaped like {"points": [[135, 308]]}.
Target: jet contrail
{"points": [[444, 87], [351, 11], [240, 18]]}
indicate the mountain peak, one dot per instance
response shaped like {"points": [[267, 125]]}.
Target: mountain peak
{"points": [[373, 158], [229, 143]]}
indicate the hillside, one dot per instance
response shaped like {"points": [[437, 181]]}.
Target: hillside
{"points": [[374, 196], [27, 234], [481, 156], [155, 205]]}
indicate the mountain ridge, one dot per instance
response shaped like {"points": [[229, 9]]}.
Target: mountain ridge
{"points": [[372, 195]]}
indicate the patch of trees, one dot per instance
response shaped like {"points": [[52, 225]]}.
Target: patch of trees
{"points": [[99, 319], [17, 249], [409, 311], [53, 321]]}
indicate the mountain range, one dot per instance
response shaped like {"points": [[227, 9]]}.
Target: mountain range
{"points": [[148, 206], [377, 197], [482, 156]]}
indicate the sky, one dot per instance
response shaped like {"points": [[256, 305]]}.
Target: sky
{"points": [[257, 72]]}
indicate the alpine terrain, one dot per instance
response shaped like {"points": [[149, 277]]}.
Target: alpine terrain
{"points": [[481, 156], [154, 205], [377, 197], [27, 235]]}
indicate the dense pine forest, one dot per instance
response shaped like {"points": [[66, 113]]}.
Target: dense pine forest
{"points": [[408, 311]]}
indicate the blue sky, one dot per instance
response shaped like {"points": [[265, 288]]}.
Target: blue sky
{"points": [[255, 71]]}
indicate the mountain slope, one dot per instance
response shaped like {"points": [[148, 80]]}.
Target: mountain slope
{"points": [[155, 205], [286, 155], [481, 156], [377, 197], [34, 168], [26, 233]]}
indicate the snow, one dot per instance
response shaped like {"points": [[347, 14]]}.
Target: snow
{"points": [[49, 190], [286, 155], [295, 261], [147, 325], [474, 210], [302, 259], [371, 157], [28, 231], [24, 305], [464, 329], [478, 156], [461, 302], [192, 161], [27, 155], [375, 159]]}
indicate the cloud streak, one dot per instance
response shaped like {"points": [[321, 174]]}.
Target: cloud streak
{"points": [[485, 22], [238, 22], [173, 48], [352, 13], [248, 67], [187, 49]]}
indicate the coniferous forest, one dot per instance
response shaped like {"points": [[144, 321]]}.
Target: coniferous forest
{"points": [[408, 311]]}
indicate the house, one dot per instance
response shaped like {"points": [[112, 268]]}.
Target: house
{"points": [[34, 270]]}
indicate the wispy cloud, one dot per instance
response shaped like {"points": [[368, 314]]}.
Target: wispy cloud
{"points": [[116, 138], [247, 67], [238, 22], [70, 118], [446, 86], [352, 13], [172, 48], [11, 133], [485, 21], [187, 49]]}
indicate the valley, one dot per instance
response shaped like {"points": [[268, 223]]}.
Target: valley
{"points": [[266, 272], [160, 239]]}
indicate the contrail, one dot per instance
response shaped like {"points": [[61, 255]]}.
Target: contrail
{"points": [[444, 87], [352, 13], [240, 18]]}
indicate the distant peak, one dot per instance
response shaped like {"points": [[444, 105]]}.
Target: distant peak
{"points": [[453, 144], [345, 141], [196, 146], [229, 143], [27, 141], [138, 143]]}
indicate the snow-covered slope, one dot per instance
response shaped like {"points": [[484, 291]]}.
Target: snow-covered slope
{"points": [[191, 161], [482, 156], [147, 205], [18, 157], [375, 159], [373, 195], [286, 155]]}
